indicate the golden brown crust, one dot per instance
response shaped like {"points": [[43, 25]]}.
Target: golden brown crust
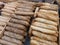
{"points": [[47, 31], [24, 13], [12, 40], [20, 22], [44, 36], [6, 42], [46, 26], [15, 30], [20, 17], [46, 21], [14, 35], [44, 41], [19, 26]]}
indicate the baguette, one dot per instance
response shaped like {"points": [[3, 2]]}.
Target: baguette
{"points": [[34, 42], [13, 5], [12, 40], [26, 18], [20, 22], [26, 6], [4, 20], [48, 16], [14, 35], [47, 26], [6, 42], [9, 8], [8, 11], [51, 15], [49, 11], [26, 2], [19, 26], [46, 21], [15, 30], [24, 13], [44, 36], [5, 14], [44, 41], [49, 6], [24, 9], [45, 30]]}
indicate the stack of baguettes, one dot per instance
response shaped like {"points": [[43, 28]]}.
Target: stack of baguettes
{"points": [[3, 21], [9, 9], [44, 27], [20, 14]]}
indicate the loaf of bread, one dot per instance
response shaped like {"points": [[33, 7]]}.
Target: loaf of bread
{"points": [[46, 21], [45, 30], [15, 30], [47, 26], [6, 42], [20, 22], [48, 6], [44, 41], [44, 36], [48, 14], [19, 26], [14, 35], [12, 40], [24, 13]]}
